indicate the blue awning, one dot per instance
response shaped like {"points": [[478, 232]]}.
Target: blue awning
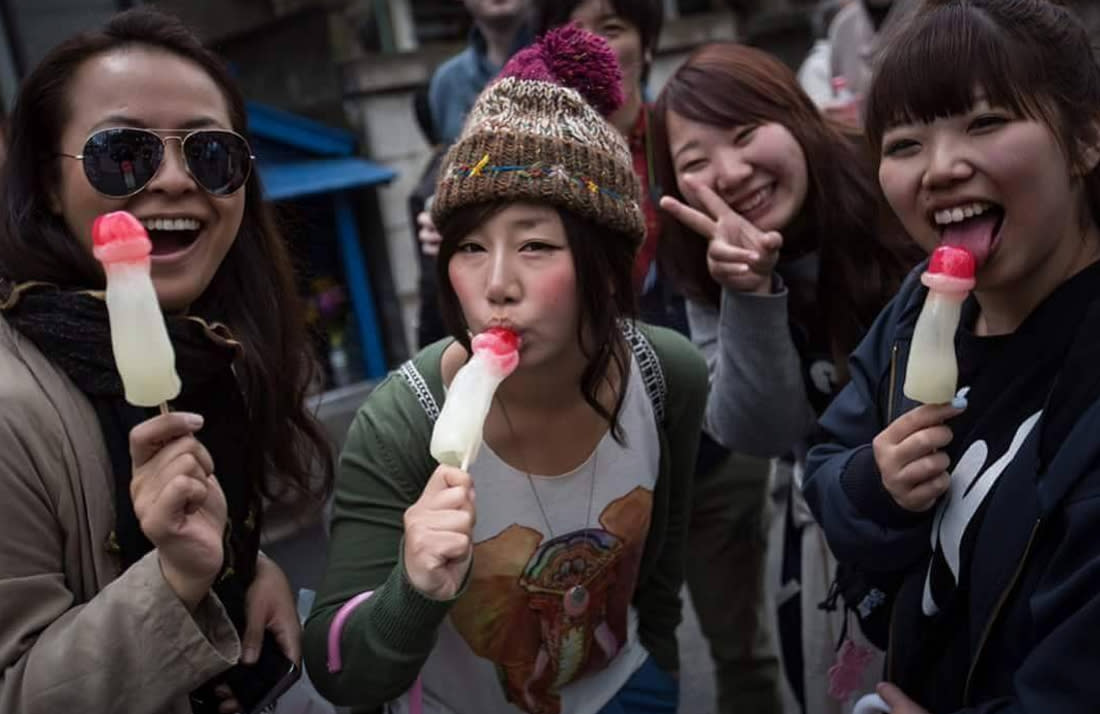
{"points": [[308, 177]]}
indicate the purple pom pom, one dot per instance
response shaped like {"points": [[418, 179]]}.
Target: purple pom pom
{"points": [[574, 58]]}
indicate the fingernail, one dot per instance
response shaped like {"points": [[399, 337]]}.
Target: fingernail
{"points": [[249, 655], [194, 421], [959, 402]]}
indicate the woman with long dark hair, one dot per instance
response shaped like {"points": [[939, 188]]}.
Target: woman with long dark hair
{"points": [[786, 252], [556, 588], [130, 573]]}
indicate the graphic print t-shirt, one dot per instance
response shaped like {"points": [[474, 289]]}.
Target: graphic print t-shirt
{"points": [[511, 644]]}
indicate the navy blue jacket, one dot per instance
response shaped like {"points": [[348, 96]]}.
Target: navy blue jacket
{"points": [[1034, 593]]}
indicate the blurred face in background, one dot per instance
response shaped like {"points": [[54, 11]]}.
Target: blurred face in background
{"points": [[499, 13], [600, 17]]}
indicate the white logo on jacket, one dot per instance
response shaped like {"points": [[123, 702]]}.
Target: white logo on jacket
{"points": [[969, 488]]}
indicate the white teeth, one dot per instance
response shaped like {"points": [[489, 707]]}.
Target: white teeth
{"points": [[754, 201], [960, 213], [171, 224]]}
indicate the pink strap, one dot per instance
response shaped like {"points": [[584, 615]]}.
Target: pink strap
{"points": [[335, 664]]}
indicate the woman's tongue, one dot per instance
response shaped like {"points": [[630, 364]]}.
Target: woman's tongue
{"points": [[974, 234]]}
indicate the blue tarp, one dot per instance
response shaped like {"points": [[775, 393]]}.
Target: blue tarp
{"points": [[308, 177]]}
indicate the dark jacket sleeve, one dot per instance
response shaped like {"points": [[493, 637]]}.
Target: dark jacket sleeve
{"points": [[658, 598], [383, 468], [842, 484]]}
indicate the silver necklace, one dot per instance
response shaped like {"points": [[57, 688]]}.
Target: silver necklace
{"points": [[575, 600]]}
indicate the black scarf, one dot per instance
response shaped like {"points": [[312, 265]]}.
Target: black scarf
{"points": [[71, 328]]}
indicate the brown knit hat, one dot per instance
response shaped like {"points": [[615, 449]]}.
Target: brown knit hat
{"points": [[535, 134]]}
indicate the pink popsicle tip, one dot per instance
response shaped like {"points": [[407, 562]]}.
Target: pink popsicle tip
{"points": [[952, 261], [498, 340], [119, 237]]}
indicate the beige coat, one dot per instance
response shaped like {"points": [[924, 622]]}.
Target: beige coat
{"points": [[76, 634]]}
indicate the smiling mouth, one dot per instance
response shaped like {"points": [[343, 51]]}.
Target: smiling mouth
{"points": [[171, 236], [975, 227], [754, 200]]}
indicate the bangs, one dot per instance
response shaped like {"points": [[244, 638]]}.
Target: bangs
{"points": [[934, 69], [712, 94]]}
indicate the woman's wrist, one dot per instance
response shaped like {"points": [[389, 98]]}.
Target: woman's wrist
{"points": [[190, 590]]}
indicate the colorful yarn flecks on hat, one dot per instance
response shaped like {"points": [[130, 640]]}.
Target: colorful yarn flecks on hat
{"points": [[539, 133]]}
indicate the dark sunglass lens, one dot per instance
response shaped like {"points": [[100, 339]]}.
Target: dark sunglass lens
{"points": [[119, 162], [218, 160]]}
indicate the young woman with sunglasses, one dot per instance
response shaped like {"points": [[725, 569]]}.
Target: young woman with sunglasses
{"points": [[130, 573]]}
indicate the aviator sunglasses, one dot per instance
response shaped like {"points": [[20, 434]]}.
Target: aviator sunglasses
{"points": [[121, 162]]}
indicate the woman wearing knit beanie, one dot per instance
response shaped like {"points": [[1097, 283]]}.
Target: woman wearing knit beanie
{"points": [[556, 590]]}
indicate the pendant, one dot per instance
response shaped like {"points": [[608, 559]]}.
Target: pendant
{"points": [[575, 600]]}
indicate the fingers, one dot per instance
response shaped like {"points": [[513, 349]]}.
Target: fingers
{"points": [[722, 252], [150, 436], [689, 217], [712, 203], [923, 417], [253, 634], [922, 443], [288, 635], [446, 477]]}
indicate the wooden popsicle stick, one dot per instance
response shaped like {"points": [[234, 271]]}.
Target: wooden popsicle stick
{"points": [[164, 408]]}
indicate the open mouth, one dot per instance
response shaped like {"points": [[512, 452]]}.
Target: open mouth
{"points": [[172, 235], [755, 200], [975, 227]]}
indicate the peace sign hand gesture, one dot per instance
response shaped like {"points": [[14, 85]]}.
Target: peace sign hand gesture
{"points": [[740, 256]]}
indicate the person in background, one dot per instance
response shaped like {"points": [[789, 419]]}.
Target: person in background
{"points": [[130, 573], [557, 588], [815, 75], [984, 511], [855, 37], [500, 28], [785, 251]]}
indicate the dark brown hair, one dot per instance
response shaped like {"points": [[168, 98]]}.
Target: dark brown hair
{"points": [[863, 253], [1032, 57], [253, 292], [603, 259]]}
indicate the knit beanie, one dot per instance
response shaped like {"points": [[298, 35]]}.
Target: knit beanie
{"points": [[538, 133]]}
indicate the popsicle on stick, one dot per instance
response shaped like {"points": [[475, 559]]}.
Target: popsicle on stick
{"points": [[143, 353], [457, 434], [933, 371]]}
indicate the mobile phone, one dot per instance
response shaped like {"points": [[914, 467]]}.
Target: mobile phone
{"points": [[257, 687]]}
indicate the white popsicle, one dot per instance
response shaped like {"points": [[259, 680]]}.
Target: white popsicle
{"points": [[143, 353], [457, 434], [933, 369]]}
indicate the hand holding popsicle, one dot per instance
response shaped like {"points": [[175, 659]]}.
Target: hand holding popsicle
{"points": [[739, 255], [178, 502], [143, 353], [439, 533], [909, 457], [457, 433]]}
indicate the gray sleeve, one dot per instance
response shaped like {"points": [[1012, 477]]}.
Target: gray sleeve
{"points": [[758, 403]]}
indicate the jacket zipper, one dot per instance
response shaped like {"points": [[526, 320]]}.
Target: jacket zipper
{"points": [[997, 611], [893, 383]]}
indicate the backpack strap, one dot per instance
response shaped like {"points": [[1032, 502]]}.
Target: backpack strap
{"points": [[649, 364], [419, 385]]}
